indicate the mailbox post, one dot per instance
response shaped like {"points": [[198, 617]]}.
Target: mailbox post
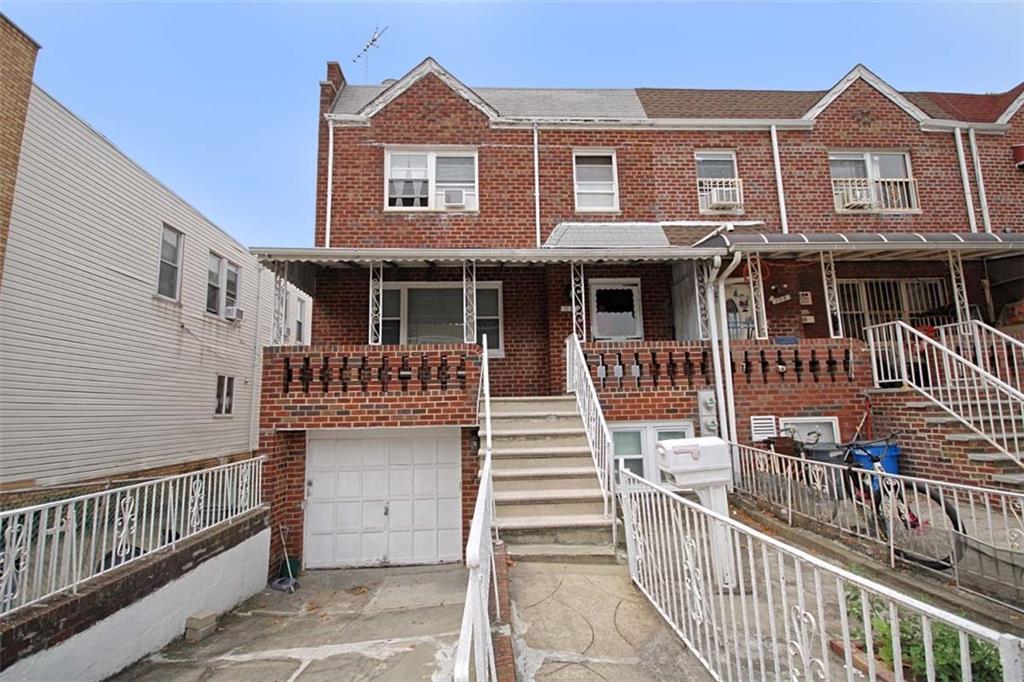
{"points": [[704, 465]]}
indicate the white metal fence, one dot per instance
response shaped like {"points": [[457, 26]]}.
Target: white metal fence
{"points": [[599, 436], [988, 406], [57, 546], [474, 652], [997, 352], [973, 534], [779, 612]]}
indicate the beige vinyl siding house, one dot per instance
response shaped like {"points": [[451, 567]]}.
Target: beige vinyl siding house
{"points": [[99, 374]]}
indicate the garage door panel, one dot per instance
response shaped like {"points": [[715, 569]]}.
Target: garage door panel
{"points": [[347, 549], [348, 516], [347, 485], [321, 546], [424, 544], [424, 451], [448, 482], [400, 547], [449, 513], [449, 543], [424, 514], [320, 517], [374, 452], [425, 481], [373, 545], [321, 454], [400, 515], [374, 483], [449, 451], [399, 483], [400, 452]]}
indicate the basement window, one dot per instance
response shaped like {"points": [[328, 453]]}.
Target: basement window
{"points": [[431, 180], [635, 444], [225, 396]]}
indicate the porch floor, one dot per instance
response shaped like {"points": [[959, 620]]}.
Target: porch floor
{"points": [[396, 624], [589, 622]]}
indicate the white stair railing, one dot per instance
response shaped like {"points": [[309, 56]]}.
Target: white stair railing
{"points": [[475, 645], [981, 401], [995, 351], [56, 547], [599, 436]]}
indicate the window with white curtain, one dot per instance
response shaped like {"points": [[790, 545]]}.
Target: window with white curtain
{"points": [[431, 180], [595, 177], [418, 313]]}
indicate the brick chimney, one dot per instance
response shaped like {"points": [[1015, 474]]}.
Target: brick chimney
{"points": [[329, 89]]}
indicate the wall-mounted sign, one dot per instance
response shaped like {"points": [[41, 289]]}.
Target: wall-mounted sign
{"points": [[805, 298], [775, 300], [807, 319]]}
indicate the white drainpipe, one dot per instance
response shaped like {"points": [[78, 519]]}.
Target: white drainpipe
{"points": [[330, 182], [709, 298], [778, 180], [730, 406], [964, 179], [979, 180], [257, 369], [536, 181]]}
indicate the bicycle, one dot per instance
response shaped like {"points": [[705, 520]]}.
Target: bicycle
{"points": [[927, 529]]}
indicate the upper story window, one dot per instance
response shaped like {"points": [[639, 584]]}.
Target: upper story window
{"points": [[169, 279], [872, 181], [595, 178], [719, 188], [431, 180], [222, 285]]}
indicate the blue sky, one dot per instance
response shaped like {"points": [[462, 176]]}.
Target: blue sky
{"points": [[219, 100]]}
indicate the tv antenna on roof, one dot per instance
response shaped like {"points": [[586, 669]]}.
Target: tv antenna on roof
{"points": [[364, 54]]}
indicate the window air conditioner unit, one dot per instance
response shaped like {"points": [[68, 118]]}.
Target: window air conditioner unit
{"points": [[454, 198], [723, 198], [857, 198], [232, 313]]}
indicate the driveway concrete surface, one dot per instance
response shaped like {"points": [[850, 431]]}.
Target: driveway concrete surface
{"points": [[381, 624], [589, 622]]}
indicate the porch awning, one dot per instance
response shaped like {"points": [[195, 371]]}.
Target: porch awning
{"points": [[873, 246]]}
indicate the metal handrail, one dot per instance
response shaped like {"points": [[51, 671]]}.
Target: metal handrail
{"points": [[778, 612], [475, 632], [983, 402], [599, 436], [55, 547], [993, 349]]}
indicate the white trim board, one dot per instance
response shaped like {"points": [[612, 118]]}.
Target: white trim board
{"points": [[861, 72]]}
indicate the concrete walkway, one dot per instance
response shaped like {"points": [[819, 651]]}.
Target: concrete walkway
{"points": [[589, 622], [381, 624]]}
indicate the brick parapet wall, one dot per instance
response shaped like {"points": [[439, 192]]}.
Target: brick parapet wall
{"points": [[17, 64], [758, 388], [58, 618]]}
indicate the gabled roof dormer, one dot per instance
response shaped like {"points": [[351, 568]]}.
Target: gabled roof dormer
{"points": [[427, 67], [861, 72]]}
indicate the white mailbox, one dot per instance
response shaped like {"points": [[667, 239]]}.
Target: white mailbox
{"points": [[704, 465]]}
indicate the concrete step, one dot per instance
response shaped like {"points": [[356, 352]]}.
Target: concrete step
{"points": [[1014, 479], [533, 405], [564, 502], [544, 423], [563, 554], [517, 450], [992, 457], [545, 478], [971, 436], [569, 411], [577, 529], [551, 438], [545, 496]]}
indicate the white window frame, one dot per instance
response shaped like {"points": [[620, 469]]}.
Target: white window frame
{"points": [[225, 265], [222, 407], [866, 154], [718, 154], [834, 421], [300, 320], [649, 441], [615, 180], [404, 287], [615, 283], [160, 262], [432, 153]]}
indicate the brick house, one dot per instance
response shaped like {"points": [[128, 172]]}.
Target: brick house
{"points": [[718, 255]]}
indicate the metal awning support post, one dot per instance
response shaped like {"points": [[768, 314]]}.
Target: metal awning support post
{"points": [[956, 277], [757, 295], [833, 312], [579, 302], [700, 280], [376, 302], [469, 301], [280, 270]]}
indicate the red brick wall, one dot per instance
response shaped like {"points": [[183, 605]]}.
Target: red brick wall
{"points": [[781, 394], [1004, 182], [656, 173]]}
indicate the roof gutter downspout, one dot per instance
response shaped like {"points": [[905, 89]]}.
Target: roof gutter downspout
{"points": [[330, 182], [964, 179], [536, 181], [257, 369], [716, 360], [778, 180], [979, 180], [730, 399]]}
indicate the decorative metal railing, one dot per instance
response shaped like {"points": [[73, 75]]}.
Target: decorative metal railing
{"points": [[58, 546], [987, 405], [971, 533], [995, 351], [475, 646], [720, 194], [776, 612], [882, 194], [599, 436]]}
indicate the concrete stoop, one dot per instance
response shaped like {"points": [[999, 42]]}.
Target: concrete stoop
{"points": [[547, 495]]}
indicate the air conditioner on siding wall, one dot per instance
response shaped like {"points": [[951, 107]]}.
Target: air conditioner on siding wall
{"points": [[722, 198], [235, 314]]}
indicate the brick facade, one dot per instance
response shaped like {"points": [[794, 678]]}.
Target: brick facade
{"points": [[17, 64]]}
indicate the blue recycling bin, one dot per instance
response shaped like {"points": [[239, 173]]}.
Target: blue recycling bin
{"points": [[890, 455]]}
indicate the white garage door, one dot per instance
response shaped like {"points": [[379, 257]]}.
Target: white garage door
{"points": [[388, 496]]}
